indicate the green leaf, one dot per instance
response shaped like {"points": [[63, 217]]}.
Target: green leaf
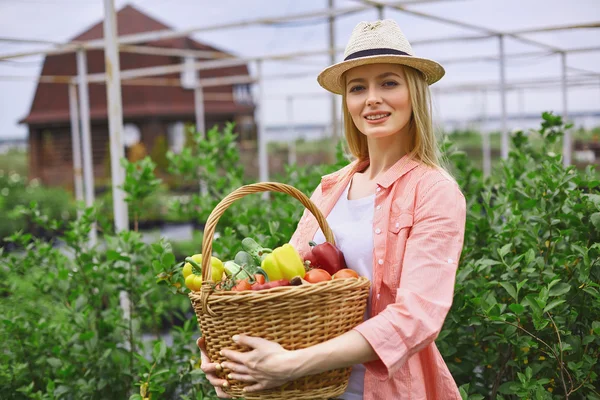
{"points": [[55, 362], [595, 218], [553, 304], [86, 336], [112, 255], [505, 249], [168, 260], [136, 396], [159, 351], [517, 308], [508, 388], [559, 289], [487, 262], [510, 289]]}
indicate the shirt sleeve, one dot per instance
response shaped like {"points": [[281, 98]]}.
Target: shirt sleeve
{"points": [[426, 289]]}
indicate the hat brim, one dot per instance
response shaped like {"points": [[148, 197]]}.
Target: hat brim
{"points": [[331, 77]]}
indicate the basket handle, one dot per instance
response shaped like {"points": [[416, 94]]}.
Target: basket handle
{"points": [[213, 218]]}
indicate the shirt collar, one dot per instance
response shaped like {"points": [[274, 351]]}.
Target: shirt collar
{"points": [[342, 176]]}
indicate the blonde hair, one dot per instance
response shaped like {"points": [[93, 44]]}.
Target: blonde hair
{"points": [[424, 146]]}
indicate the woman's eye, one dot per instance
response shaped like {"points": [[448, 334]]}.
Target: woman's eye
{"points": [[390, 84], [356, 88]]}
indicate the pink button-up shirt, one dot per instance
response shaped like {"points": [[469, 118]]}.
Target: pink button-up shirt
{"points": [[418, 231]]}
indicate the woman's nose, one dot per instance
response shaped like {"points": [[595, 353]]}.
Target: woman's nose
{"points": [[373, 97]]}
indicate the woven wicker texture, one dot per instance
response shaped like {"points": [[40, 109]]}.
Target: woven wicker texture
{"points": [[294, 316]]}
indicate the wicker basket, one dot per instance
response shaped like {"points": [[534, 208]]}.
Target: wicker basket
{"points": [[296, 317]]}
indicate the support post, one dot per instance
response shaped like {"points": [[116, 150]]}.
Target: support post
{"points": [[263, 160], [292, 143], [485, 136], [334, 112], [115, 115], [84, 110], [200, 125], [565, 105], [504, 126], [75, 143]]}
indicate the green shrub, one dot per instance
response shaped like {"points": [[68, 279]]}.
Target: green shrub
{"points": [[524, 324], [526, 314]]}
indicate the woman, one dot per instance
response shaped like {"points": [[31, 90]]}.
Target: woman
{"points": [[398, 217]]}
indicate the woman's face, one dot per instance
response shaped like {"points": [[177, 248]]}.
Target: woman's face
{"points": [[378, 100]]}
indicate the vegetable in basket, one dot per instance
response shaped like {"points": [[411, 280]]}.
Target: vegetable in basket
{"points": [[257, 252], [238, 272], [326, 256], [192, 271], [283, 263]]}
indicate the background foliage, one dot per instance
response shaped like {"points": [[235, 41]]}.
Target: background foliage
{"points": [[81, 322]]}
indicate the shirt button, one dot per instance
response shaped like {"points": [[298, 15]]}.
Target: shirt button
{"points": [[379, 189], [378, 231], [378, 295], [378, 207], [397, 224], [380, 261]]}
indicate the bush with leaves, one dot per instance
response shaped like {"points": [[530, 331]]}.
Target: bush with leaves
{"points": [[525, 322], [85, 322]]}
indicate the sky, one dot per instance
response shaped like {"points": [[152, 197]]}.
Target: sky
{"points": [[61, 20]]}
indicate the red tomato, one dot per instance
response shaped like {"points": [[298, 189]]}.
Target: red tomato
{"points": [[242, 285], [345, 273], [260, 279], [317, 275]]}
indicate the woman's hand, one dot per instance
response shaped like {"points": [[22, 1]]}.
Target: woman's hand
{"points": [[210, 369], [267, 365]]}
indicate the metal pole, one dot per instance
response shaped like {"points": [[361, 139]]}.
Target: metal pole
{"points": [[522, 104], [199, 110], [86, 129], [200, 126], [567, 133], [334, 112], [504, 129], [75, 143], [115, 115], [292, 142], [263, 161], [485, 135], [380, 12]]}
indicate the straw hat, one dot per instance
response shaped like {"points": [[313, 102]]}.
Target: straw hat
{"points": [[375, 43]]}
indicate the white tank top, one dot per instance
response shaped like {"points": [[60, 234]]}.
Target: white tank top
{"points": [[352, 225]]}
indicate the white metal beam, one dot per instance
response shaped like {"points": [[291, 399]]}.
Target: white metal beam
{"points": [[565, 116], [86, 137], [260, 110], [75, 143], [115, 116], [504, 129]]}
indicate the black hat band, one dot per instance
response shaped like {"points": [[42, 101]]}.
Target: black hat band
{"points": [[375, 52]]}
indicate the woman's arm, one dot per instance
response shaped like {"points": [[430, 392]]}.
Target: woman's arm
{"points": [[270, 365], [424, 297]]}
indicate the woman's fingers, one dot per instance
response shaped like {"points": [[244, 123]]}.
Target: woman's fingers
{"points": [[221, 394], [241, 377], [235, 367], [209, 368], [254, 388]]}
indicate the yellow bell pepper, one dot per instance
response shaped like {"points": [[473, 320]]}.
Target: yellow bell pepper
{"points": [[283, 263], [193, 277]]}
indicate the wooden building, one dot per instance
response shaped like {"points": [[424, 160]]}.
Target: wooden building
{"points": [[152, 115]]}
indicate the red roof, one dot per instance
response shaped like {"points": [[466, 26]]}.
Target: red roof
{"points": [[51, 102]]}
